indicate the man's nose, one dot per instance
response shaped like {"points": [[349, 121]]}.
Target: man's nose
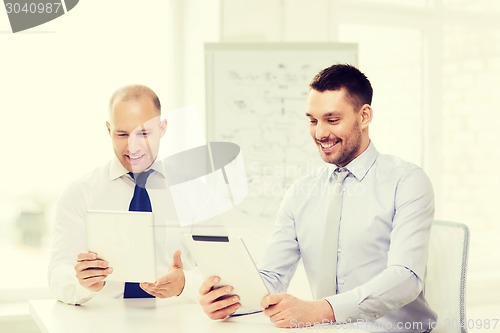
{"points": [[133, 144], [321, 131]]}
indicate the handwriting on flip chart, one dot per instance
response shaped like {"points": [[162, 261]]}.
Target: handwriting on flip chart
{"points": [[257, 98]]}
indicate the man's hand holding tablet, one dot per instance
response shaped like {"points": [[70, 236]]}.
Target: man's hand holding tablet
{"points": [[91, 271], [233, 281], [122, 246], [218, 302]]}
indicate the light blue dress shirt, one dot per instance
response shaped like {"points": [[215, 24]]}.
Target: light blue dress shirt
{"points": [[387, 210]]}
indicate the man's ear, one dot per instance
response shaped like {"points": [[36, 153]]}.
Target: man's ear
{"points": [[365, 116], [109, 128], [163, 127]]}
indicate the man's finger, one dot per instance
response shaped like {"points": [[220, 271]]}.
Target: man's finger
{"points": [[95, 272], [95, 280], [86, 256], [282, 323], [157, 292], [177, 261], [208, 285], [221, 304], [94, 264], [271, 300], [224, 312]]}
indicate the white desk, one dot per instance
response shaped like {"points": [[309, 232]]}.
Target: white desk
{"points": [[146, 315]]}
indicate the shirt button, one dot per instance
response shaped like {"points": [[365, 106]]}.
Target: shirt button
{"points": [[341, 281], [339, 250]]}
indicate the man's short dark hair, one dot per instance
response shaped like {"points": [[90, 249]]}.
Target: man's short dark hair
{"points": [[347, 77]]}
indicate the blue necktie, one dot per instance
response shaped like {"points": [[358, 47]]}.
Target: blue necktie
{"points": [[140, 203]]}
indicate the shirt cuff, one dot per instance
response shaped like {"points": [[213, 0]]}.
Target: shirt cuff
{"points": [[345, 307], [193, 281], [82, 294]]}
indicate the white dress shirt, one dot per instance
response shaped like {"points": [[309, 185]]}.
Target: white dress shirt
{"points": [[110, 188], [387, 210]]}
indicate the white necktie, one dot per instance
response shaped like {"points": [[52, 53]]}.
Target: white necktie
{"points": [[328, 279]]}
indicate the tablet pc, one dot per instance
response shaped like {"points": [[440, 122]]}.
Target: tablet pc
{"points": [[228, 258], [126, 240]]}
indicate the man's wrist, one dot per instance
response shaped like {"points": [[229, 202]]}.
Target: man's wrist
{"points": [[326, 311], [183, 283]]}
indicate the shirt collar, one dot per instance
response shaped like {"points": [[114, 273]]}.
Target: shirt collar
{"points": [[360, 165], [117, 170]]}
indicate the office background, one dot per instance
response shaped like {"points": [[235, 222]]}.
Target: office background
{"points": [[434, 66]]}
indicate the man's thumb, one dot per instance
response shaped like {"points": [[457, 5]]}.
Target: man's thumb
{"points": [[177, 261]]}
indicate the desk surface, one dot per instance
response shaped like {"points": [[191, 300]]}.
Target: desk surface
{"points": [[143, 315]]}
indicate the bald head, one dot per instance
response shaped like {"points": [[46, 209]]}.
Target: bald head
{"points": [[134, 92]]}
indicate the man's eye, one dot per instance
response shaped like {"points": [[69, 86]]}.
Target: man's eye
{"points": [[144, 134], [312, 121], [333, 121], [122, 135]]}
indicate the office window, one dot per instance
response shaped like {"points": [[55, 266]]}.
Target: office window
{"points": [[56, 84], [470, 172], [56, 132]]}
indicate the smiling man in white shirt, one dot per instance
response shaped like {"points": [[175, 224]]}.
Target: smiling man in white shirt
{"points": [[380, 235], [135, 129]]}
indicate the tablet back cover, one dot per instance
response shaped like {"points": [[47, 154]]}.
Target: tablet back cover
{"points": [[228, 258], [126, 241]]}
